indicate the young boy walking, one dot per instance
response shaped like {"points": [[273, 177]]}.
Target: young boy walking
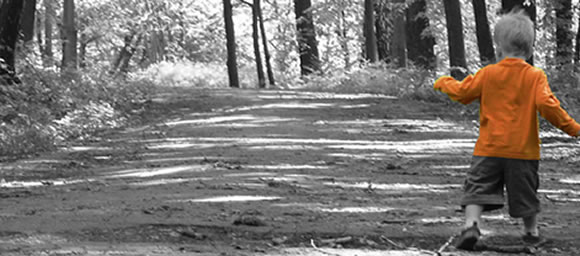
{"points": [[511, 93]]}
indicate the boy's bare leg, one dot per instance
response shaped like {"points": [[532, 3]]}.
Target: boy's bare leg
{"points": [[473, 215], [531, 225]]}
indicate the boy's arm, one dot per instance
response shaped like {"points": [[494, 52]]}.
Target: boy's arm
{"points": [[465, 91], [549, 107]]}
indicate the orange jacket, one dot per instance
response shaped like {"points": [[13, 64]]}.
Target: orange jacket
{"points": [[511, 92]]}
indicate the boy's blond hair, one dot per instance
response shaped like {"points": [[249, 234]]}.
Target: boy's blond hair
{"points": [[514, 34]]}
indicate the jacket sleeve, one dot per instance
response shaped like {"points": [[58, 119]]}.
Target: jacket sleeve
{"points": [[465, 91], [549, 107]]}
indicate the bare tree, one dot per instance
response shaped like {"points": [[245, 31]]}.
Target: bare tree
{"points": [[484, 39], [69, 36], [27, 20], [420, 45], [564, 50], [371, 54], [47, 53], [10, 11], [306, 37], [231, 45], [256, 39], [455, 36], [384, 29], [267, 57], [399, 42]]}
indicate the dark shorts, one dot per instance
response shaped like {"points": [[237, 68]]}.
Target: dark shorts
{"points": [[487, 178]]}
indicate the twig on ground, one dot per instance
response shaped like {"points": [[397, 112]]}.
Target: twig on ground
{"points": [[392, 242], [444, 246], [320, 250]]}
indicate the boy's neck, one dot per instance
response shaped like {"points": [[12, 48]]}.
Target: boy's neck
{"points": [[514, 56]]}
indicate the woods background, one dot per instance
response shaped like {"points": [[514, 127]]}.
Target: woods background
{"points": [[73, 67]]}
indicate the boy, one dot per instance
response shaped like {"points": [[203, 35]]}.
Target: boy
{"points": [[507, 152]]}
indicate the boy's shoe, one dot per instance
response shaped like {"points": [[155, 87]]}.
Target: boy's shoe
{"points": [[468, 238], [532, 240]]}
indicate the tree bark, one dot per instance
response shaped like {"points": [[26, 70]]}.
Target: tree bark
{"points": [[564, 51], [399, 46], [69, 56], [27, 20], [267, 57], [528, 6], [371, 54], [47, 54], [455, 37], [577, 50], [306, 37], [256, 40], [484, 39], [231, 45], [10, 12], [384, 30], [420, 45]]}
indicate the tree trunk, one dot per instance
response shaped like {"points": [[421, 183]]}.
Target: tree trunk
{"points": [[342, 33], [256, 39], [27, 20], [306, 37], [384, 30], [577, 52], [47, 54], [231, 45], [455, 37], [564, 51], [267, 57], [484, 39], [124, 53], [529, 8], [10, 11], [371, 54], [69, 56], [399, 46], [420, 45], [129, 52]]}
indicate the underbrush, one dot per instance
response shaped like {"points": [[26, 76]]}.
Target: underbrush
{"points": [[49, 108], [408, 83]]}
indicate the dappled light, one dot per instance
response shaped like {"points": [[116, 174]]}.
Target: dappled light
{"points": [[287, 167], [398, 187], [321, 95], [39, 183], [152, 172], [230, 199]]}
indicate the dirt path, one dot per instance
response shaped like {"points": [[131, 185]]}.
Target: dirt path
{"points": [[239, 172]]}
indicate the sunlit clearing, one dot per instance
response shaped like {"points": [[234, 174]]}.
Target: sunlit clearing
{"points": [[449, 167], [173, 159], [448, 219], [28, 184], [167, 181], [325, 95], [285, 147], [250, 174], [368, 209], [225, 199], [213, 120], [151, 172], [83, 149], [343, 252], [571, 180], [438, 188], [425, 146], [372, 156], [286, 167], [559, 191], [187, 145], [289, 105]]}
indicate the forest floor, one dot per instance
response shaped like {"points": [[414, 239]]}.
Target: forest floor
{"points": [[246, 172]]}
